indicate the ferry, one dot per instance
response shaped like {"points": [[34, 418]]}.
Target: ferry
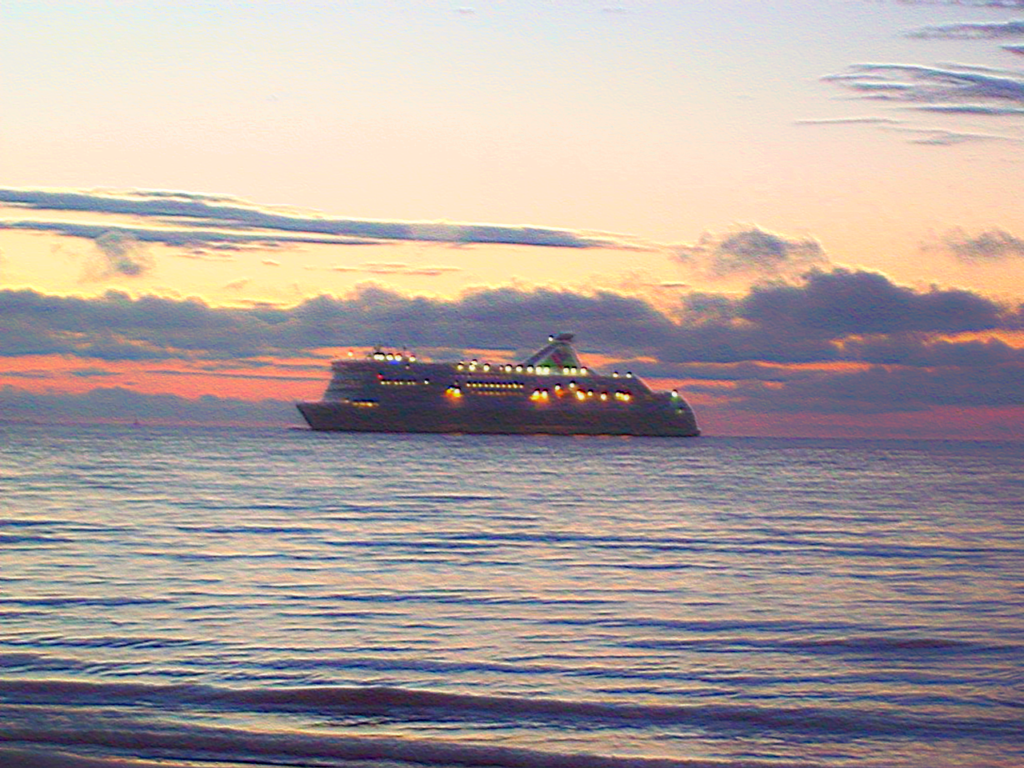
{"points": [[551, 392]]}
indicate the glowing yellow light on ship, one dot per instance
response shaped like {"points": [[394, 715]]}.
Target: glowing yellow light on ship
{"points": [[581, 395]]}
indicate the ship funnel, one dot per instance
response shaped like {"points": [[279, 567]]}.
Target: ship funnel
{"points": [[557, 354]]}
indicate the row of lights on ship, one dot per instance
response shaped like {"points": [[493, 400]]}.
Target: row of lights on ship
{"points": [[543, 395], [540, 370]]}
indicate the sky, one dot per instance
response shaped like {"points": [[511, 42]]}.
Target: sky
{"points": [[806, 215]]}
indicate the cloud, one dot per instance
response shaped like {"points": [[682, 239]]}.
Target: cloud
{"points": [[115, 326], [843, 302], [394, 268], [952, 90], [933, 136], [914, 83], [970, 31], [750, 251], [106, 403], [910, 350], [91, 373], [209, 219], [119, 254], [971, 109], [197, 240], [849, 121], [942, 138], [840, 341], [885, 389], [1008, 4], [988, 246], [781, 323]]}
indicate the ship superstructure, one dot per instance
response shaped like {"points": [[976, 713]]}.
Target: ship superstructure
{"points": [[551, 392]]}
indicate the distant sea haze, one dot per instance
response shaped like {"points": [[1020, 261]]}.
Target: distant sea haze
{"points": [[229, 597]]}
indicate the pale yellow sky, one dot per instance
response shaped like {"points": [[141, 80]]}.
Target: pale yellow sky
{"points": [[660, 122]]}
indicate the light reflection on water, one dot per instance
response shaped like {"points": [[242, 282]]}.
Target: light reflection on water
{"points": [[792, 575]]}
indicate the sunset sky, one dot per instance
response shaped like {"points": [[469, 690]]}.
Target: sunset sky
{"points": [[807, 215]]}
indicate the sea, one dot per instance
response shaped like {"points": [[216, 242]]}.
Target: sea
{"points": [[238, 597]]}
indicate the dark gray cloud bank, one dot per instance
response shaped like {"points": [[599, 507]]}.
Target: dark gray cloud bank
{"points": [[895, 334]]}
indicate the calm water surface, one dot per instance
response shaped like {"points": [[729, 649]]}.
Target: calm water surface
{"points": [[232, 597]]}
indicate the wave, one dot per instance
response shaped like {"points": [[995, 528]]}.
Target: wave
{"points": [[855, 645], [402, 704], [219, 745]]}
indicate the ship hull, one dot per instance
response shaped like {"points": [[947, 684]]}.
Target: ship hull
{"points": [[344, 417]]}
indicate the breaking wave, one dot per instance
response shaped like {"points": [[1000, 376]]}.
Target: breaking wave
{"points": [[400, 704]]}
